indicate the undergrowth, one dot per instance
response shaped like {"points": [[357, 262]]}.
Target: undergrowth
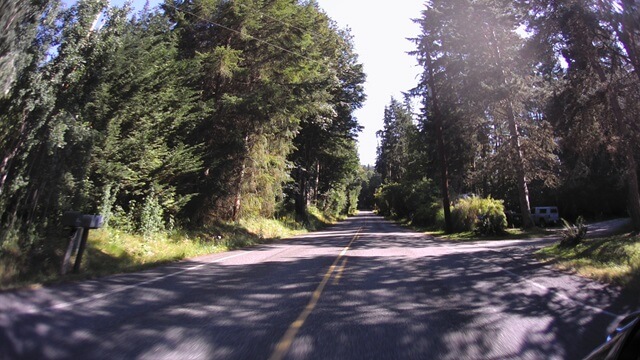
{"points": [[111, 251]]}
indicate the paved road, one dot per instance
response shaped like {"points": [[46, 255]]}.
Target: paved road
{"points": [[364, 289]]}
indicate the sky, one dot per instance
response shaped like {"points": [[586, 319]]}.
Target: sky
{"points": [[380, 30]]}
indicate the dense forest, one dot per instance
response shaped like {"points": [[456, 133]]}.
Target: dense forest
{"points": [[530, 102], [199, 112], [176, 117]]}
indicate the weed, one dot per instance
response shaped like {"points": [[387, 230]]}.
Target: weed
{"points": [[572, 234]]}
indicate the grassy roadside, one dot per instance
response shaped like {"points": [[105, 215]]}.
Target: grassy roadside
{"points": [[511, 234], [111, 251], [614, 259]]}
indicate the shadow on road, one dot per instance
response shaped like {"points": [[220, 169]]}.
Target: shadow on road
{"points": [[399, 295]]}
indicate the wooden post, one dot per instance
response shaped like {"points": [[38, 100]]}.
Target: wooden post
{"points": [[83, 244], [74, 243]]}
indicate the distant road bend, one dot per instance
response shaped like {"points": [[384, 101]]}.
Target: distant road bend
{"points": [[363, 289]]}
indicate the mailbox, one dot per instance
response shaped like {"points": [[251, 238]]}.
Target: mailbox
{"points": [[80, 224], [76, 219], [72, 219], [92, 221]]}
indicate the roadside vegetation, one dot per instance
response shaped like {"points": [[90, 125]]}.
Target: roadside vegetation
{"points": [[508, 234], [614, 259], [531, 120], [508, 123], [178, 119], [169, 122], [111, 251]]}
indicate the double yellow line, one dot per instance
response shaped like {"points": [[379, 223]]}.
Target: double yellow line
{"points": [[287, 340]]}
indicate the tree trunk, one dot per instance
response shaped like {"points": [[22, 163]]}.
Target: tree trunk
{"points": [[442, 151], [4, 169], [301, 197], [7, 157], [620, 127], [316, 183], [444, 175], [237, 202], [516, 151], [633, 191]]}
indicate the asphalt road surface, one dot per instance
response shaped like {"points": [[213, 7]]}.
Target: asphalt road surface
{"points": [[363, 289]]}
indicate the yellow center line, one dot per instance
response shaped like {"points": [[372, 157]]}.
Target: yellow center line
{"points": [[287, 340], [338, 276]]}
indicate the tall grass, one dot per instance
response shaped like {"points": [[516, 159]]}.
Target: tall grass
{"points": [[112, 251], [613, 259]]}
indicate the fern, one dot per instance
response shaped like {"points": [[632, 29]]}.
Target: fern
{"points": [[572, 234]]}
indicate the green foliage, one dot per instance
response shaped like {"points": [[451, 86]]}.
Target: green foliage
{"points": [[370, 181], [393, 157], [273, 108], [151, 216], [573, 234], [482, 216], [614, 259], [389, 200], [113, 250], [326, 166], [107, 203], [144, 148], [429, 214], [17, 20], [416, 202], [406, 193], [592, 63], [483, 122], [164, 121]]}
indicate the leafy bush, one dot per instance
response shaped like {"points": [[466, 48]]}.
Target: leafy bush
{"points": [[151, 216], [483, 216], [415, 201], [572, 235], [390, 200], [429, 214], [335, 202]]}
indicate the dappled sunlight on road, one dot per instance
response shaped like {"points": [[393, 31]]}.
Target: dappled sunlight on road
{"points": [[394, 294]]}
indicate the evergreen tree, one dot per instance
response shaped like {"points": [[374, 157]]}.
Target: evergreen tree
{"points": [[325, 158], [18, 21], [259, 86], [478, 98], [145, 114], [395, 138], [593, 109]]}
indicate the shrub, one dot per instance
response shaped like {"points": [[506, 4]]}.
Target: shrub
{"points": [[335, 202], [151, 216], [572, 235], [389, 200], [483, 216], [414, 200], [428, 214]]}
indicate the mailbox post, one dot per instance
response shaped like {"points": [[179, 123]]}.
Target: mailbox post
{"points": [[80, 225]]}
